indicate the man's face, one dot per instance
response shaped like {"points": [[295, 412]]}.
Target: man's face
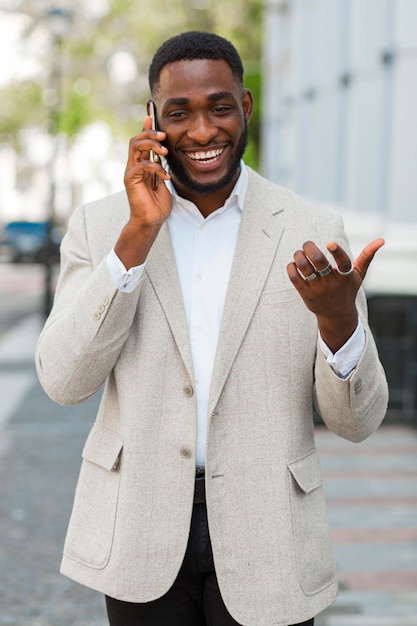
{"points": [[205, 114]]}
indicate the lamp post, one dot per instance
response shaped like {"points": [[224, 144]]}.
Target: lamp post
{"points": [[58, 23]]}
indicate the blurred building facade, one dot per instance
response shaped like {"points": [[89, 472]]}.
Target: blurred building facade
{"points": [[340, 127]]}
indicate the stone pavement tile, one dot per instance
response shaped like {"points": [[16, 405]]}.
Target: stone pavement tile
{"points": [[17, 372], [379, 580], [18, 345], [374, 461], [13, 386], [387, 436], [375, 557], [373, 535], [362, 486], [371, 608], [374, 514]]}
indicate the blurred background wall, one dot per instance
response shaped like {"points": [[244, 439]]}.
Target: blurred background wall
{"points": [[339, 125]]}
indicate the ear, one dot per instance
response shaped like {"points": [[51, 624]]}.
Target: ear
{"points": [[247, 103]]}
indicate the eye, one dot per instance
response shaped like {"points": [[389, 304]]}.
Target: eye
{"points": [[222, 109], [177, 115]]}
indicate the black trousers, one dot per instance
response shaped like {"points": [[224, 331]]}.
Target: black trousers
{"points": [[193, 600]]}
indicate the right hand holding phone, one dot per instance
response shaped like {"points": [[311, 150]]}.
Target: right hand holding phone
{"points": [[150, 204]]}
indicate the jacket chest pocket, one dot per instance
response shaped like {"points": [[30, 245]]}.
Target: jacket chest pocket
{"points": [[279, 297]]}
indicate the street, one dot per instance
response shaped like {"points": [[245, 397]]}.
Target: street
{"points": [[21, 291], [371, 490]]}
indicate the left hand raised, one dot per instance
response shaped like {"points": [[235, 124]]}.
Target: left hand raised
{"points": [[330, 292]]}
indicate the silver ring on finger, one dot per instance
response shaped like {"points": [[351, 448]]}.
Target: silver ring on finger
{"points": [[348, 273], [310, 277], [326, 271]]}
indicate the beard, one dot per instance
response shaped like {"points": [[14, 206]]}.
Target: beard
{"points": [[180, 173]]}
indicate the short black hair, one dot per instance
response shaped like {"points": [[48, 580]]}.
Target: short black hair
{"points": [[193, 45]]}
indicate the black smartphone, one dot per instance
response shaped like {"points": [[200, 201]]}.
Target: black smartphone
{"points": [[150, 108]]}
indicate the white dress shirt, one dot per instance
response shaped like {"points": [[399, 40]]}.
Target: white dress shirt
{"points": [[204, 250]]}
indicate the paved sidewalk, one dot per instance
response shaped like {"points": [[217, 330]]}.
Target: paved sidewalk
{"points": [[40, 452], [371, 489]]}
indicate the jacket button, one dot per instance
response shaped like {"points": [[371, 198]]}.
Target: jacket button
{"points": [[188, 390], [97, 315], [186, 453], [358, 386]]}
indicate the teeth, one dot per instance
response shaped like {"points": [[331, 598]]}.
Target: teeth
{"points": [[207, 157]]}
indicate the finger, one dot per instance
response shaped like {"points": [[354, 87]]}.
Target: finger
{"points": [[364, 259], [303, 264], [315, 255], [140, 147], [143, 169], [149, 139], [343, 260], [296, 277], [147, 123], [147, 126]]}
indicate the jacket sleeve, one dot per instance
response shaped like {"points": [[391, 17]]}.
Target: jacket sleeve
{"points": [[88, 325], [353, 407]]}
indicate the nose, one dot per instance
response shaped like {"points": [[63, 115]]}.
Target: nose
{"points": [[202, 130]]}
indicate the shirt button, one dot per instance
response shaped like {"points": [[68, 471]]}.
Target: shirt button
{"points": [[189, 391], [186, 453]]}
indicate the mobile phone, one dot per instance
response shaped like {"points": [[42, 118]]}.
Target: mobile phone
{"points": [[150, 108]]}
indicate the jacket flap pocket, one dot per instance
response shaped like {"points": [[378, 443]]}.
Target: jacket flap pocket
{"points": [[306, 471], [103, 447]]}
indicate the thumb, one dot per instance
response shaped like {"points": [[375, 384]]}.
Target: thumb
{"points": [[364, 259]]}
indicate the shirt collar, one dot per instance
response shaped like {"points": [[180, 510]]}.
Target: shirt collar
{"points": [[237, 196]]}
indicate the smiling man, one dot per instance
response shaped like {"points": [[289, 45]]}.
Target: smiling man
{"points": [[218, 310]]}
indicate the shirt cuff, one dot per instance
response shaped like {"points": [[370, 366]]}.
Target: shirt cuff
{"points": [[125, 280], [347, 357]]}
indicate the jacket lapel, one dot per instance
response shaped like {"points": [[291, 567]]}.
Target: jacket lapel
{"points": [[259, 235], [162, 272]]}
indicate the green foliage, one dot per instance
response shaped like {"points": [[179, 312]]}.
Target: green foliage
{"points": [[118, 7], [86, 52], [21, 105], [76, 114]]}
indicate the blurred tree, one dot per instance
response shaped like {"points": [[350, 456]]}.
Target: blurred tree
{"points": [[104, 60]]}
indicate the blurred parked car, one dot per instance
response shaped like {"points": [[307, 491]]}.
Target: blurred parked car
{"points": [[31, 242]]}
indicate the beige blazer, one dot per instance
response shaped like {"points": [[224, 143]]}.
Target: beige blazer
{"points": [[131, 517]]}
